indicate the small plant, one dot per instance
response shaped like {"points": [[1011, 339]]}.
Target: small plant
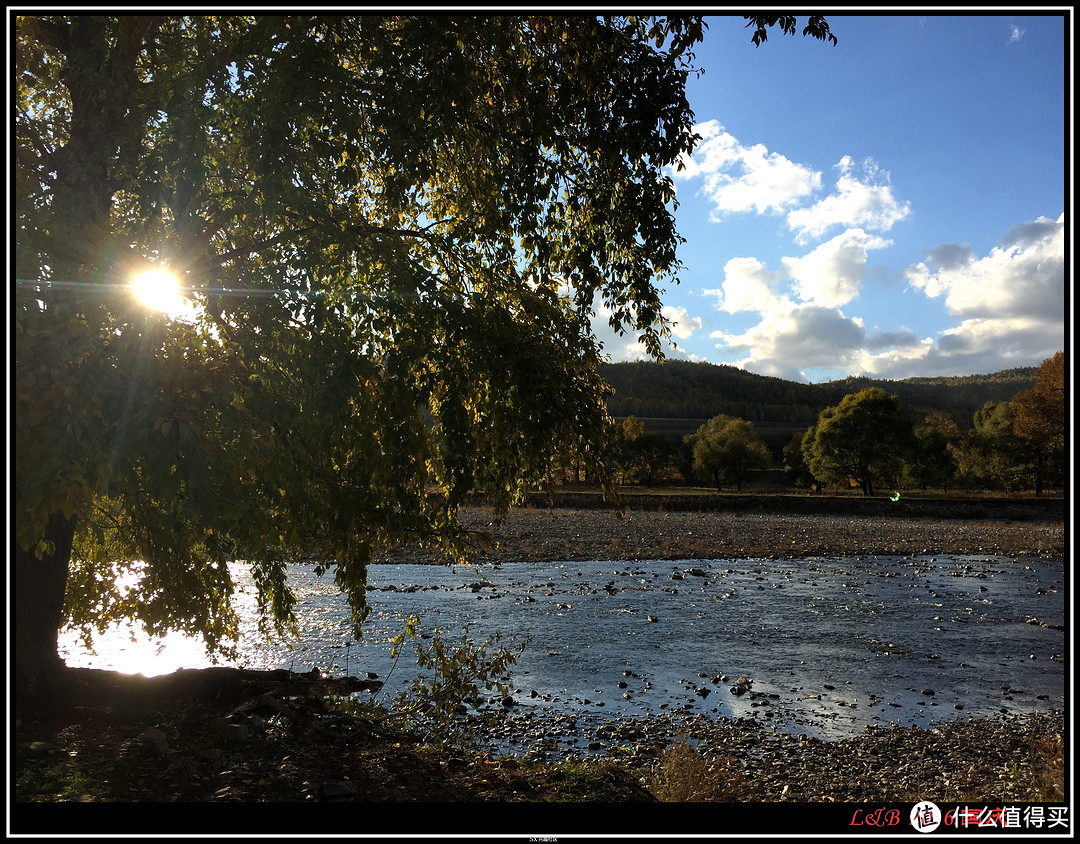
{"points": [[683, 776], [433, 705], [585, 782], [60, 781]]}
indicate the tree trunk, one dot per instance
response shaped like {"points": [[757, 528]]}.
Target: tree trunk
{"points": [[39, 612]]}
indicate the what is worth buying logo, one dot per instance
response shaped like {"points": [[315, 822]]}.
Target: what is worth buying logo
{"points": [[925, 816]]}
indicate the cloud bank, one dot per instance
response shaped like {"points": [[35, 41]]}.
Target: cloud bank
{"points": [[1009, 305], [1006, 307]]}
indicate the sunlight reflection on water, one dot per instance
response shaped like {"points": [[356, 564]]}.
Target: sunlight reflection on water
{"points": [[131, 651]]}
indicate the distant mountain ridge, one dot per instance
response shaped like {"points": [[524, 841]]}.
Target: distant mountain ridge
{"points": [[675, 397]]}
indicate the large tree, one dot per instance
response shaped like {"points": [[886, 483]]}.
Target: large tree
{"points": [[992, 451], [866, 437], [727, 450], [393, 230]]}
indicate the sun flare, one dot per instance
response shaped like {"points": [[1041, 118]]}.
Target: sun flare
{"points": [[159, 289]]}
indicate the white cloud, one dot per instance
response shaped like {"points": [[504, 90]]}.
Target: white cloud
{"points": [[682, 324], [801, 326], [1008, 306], [1015, 33], [792, 339], [1023, 278], [830, 275], [973, 346], [868, 203], [802, 339], [740, 179], [747, 286]]}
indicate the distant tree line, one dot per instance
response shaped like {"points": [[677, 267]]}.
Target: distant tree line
{"points": [[872, 437], [684, 390]]}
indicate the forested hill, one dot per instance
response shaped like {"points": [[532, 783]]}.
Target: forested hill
{"points": [[674, 391]]}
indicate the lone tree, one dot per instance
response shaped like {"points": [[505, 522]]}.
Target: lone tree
{"points": [[391, 232], [727, 450], [865, 438]]}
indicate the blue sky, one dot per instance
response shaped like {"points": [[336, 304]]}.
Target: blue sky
{"points": [[892, 206]]}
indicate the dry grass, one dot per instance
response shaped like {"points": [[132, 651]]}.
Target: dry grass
{"points": [[1042, 777], [683, 776], [1048, 768]]}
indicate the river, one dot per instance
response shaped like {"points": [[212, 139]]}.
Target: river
{"points": [[830, 644]]}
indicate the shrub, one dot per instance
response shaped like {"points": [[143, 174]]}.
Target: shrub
{"points": [[433, 705], [683, 776]]}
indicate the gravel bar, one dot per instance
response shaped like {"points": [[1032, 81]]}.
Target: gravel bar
{"points": [[578, 535], [975, 759]]}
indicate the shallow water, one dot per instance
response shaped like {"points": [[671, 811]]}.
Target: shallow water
{"points": [[831, 645]]}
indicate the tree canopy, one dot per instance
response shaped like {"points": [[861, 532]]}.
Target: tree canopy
{"points": [[816, 26], [392, 231], [1040, 421], [727, 450], [993, 452], [865, 438], [1020, 443]]}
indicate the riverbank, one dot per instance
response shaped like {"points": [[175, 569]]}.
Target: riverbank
{"points": [[691, 757], [193, 744], [582, 534]]}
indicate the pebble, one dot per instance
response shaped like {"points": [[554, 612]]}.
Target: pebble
{"points": [[43, 749]]}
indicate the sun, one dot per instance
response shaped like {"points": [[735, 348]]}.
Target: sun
{"points": [[159, 289]]}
